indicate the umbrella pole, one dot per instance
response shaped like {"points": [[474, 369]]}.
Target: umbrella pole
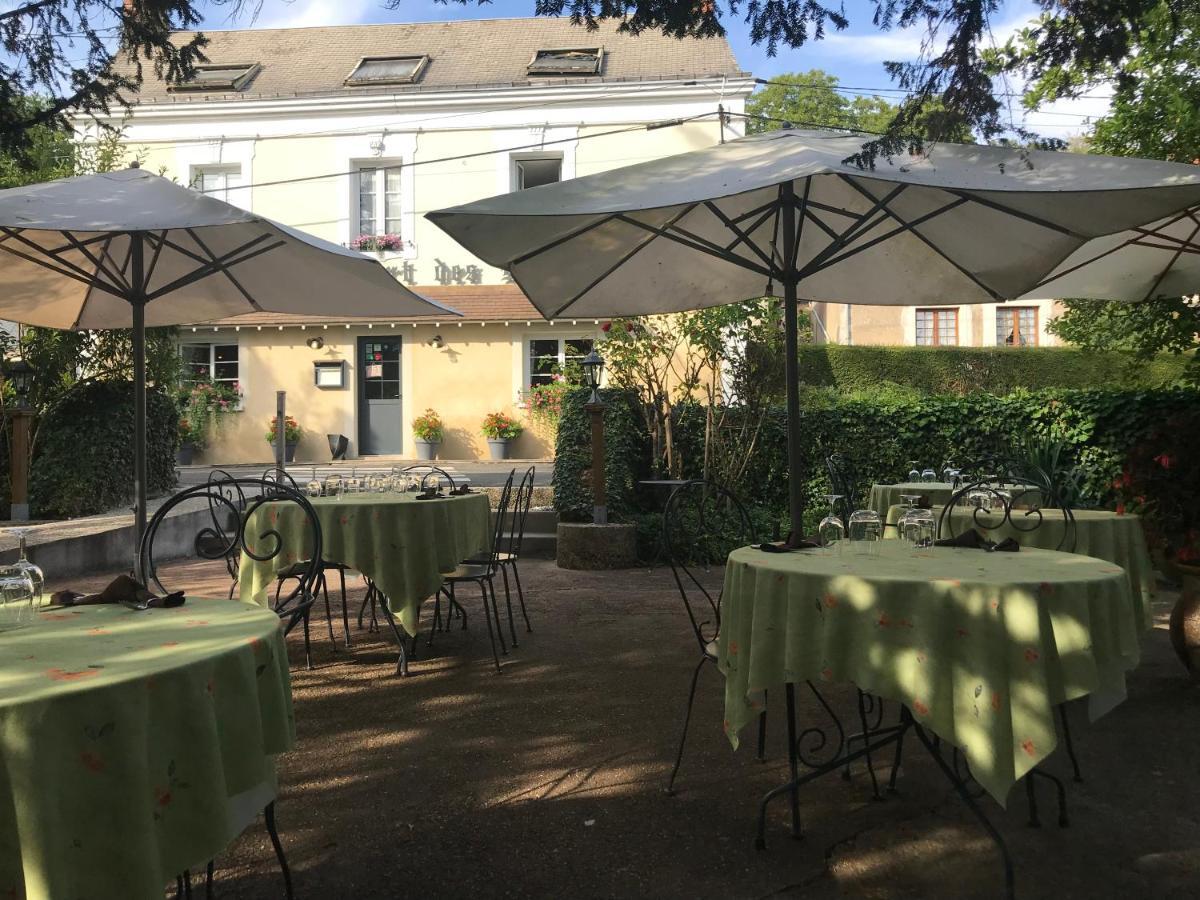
{"points": [[137, 299], [791, 321]]}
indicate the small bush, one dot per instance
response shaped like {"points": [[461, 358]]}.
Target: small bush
{"points": [[83, 460], [626, 458]]}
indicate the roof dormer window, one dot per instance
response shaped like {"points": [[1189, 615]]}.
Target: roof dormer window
{"points": [[387, 70], [571, 61], [223, 77]]}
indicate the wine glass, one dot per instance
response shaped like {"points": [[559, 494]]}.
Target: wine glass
{"points": [[918, 528], [17, 606], [831, 530], [914, 474], [353, 483], [928, 475], [36, 576], [334, 486], [866, 528], [313, 488]]}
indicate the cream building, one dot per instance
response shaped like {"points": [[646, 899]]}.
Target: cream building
{"points": [[1018, 324], [357, 131]]}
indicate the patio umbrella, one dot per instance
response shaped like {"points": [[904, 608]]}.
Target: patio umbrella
{"points": [[781, 214], [129, 249]]}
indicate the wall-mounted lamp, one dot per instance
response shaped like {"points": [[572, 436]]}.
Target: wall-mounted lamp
{"points": [[315, 343], [436, 342]]}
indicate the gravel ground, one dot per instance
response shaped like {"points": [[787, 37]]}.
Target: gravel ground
{"points": [[548, 780]]}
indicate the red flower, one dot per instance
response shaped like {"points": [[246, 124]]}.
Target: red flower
{"points": [[629, 327], [606, 327], [1028, 747], [920, 708], [1164, 460]]}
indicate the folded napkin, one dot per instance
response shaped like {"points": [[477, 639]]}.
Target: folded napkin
{"points": [[923, 502], [123, 590], [973, 540], [785, 546]]}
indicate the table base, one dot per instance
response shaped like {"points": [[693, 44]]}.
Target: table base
{"points": [[874, 738]]}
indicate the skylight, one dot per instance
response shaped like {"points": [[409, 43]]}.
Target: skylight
{"points": [[223, 77], [573, 61], [387, 70]]}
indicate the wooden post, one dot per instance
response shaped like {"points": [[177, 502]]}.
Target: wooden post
{"points": [[599, 498], [18, 463], [280, 430]]}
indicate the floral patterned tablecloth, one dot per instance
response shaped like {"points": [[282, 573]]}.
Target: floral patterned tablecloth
{"points": [[980, 646], [403, 544], [128, 739]]}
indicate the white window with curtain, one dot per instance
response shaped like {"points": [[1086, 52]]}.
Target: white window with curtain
{"points": [[379, 197], [220, 181]]}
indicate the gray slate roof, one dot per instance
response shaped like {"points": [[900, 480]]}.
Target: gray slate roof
{"points": [[468, 53]]}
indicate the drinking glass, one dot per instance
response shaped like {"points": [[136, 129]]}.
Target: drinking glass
{"points": [[17, 606], [35, 572], [979, 499], [831, 530], [928, 475], [353, 484], [914, 474], [918, 528], [866, 529], [334, 486], [313, 488], [382, 483]]}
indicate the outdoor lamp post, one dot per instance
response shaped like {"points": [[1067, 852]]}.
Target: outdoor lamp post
{"points": [[593, 368], [19, 374]]}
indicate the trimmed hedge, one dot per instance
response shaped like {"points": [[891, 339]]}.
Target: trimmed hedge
{"points": [[995, 370], [626, 459], [83, 460]]}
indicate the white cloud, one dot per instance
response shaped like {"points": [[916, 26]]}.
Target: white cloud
{"points": [[308, 13]]}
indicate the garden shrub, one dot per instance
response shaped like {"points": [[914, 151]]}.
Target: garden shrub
{"points": [[994, 370], [83, 458], [626, 457]]}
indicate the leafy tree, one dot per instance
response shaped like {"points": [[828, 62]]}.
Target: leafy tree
{"points": [[813, 98], [1168, 324]]}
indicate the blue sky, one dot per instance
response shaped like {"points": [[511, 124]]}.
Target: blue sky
{"points": [[856, 55]]}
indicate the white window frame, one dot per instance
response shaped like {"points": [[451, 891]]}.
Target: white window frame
{"points": [[380, 166], [562, 338], [210, 343], [514, 159], [231, 177]]}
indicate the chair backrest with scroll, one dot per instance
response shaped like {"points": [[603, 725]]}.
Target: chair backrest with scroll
{"points": [[1002, 494], [224, 515], [702, 523], [273, 477], [521, 499], [241, 498], [425, 472], [844, 482], [499, 517]]}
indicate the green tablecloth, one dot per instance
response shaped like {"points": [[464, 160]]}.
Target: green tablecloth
{"points": [[403, 544], [980, 646], [127, 739], [884, 496], [1099, 533]]}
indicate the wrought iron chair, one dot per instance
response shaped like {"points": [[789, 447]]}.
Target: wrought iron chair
{"points": [[845, 482], [270, 478], [702, 523], [227, 486], [424, 471], [481, 573], [217, 542], [508, 558]]}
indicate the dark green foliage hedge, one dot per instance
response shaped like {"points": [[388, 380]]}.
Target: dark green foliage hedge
{"points": [[83, 461], [627, 455], [994, 370]]}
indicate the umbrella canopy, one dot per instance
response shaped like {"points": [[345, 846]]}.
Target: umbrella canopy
{"points": [[130, 249], [781, 214]]}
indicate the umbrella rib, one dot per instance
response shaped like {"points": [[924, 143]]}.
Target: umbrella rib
{"points": [[855, 230], [237, 284], [115, 277], [768, 207], [68, 270], [804, 214], [956, 202], [646, 241], [1054, 276], [753, 228], [1000, 207], [932, 246], [812, 217], [1150, 294], [569, 236], [158, 248], [218, 264], [728, 223]]}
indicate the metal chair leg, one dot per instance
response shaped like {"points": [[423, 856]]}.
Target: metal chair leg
{"points": [[269, 815], [436, 624], [402, 662], [307, 644], [687, 717], [762, 732], [521, 595], [896, 763], [208, 881], [491, 589], [862, 718], [323, 587], [1066, 724], [1031, 794], [512, 628], [487, 617], [793, 759], [345, 611]]}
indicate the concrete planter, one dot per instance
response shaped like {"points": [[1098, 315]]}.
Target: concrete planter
{"points": [[498, 448], [426, 449], [185, 454], [289, 451], [582, 545]]}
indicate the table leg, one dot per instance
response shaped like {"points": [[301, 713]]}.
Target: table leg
{"points": [[269, 816]]}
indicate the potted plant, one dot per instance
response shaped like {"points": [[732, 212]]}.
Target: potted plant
{"points": [[291, 436], [377, 243], [1160, 482], [427, 434], [202, 407], [500, 428]]}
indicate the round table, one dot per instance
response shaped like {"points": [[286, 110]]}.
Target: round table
{"points": [[401, 543], [132, 742], [884, 496], [979, 646], [1100, 533]]}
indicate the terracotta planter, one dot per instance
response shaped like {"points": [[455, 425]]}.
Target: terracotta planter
{"points": [[1185, 620]]}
